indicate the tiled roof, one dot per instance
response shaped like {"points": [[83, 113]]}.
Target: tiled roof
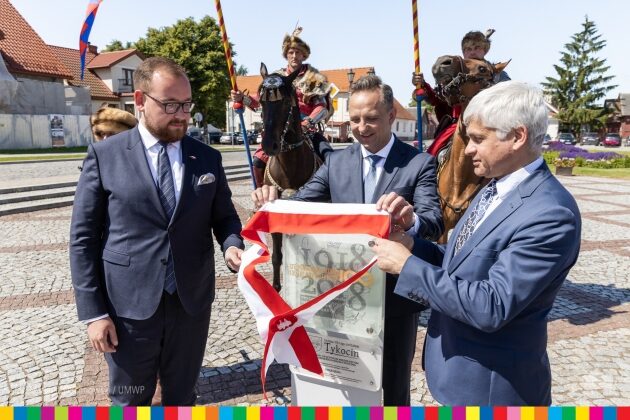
{"points": [[337, 76], [108, 59], [23, 50], [402, 113], [70, 58]]}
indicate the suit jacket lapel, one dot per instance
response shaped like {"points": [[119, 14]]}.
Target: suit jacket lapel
{"points": [[355, 178], [510, 204], [392, 164], [188, 164], [138, 160]]}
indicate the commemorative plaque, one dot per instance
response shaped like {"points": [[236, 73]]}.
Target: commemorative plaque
{"points": [[347, 333]]}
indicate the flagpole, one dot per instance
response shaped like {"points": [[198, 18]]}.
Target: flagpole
{"points": [[84, 36], [237, 106], [416, 51]]}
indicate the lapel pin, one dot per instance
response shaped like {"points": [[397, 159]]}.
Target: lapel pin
{"points": [[193, 157]]}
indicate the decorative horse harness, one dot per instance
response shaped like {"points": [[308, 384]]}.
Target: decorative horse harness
{"points": [[453, 89], [270, 92]]}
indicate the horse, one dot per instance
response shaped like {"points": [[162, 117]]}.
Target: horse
{"points": [[458, 80], [292, 158]]}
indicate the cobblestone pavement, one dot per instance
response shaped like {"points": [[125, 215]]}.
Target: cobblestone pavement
{"points": [[45, 357], [18, 174]]}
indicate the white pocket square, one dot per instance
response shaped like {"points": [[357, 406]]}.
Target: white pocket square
{"points": [[206, 179]]}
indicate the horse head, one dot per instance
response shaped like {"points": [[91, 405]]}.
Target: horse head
{"points": [[280, 112], [459, 79]]}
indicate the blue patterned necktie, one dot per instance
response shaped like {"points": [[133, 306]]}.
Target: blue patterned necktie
{"points": [[487, 196], [166, 191], [369, 184]]}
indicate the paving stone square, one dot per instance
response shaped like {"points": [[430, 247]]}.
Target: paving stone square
{"points": [[45, 358]]}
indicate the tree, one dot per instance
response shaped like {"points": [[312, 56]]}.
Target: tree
{"points": [[199, 49], [242, 70], [582, 81], [117, 45]]}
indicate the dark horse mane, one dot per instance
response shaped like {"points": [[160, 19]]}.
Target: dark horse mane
{"points": [[292, 159]]}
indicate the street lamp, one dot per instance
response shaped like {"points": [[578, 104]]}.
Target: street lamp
{"points": [[350, 75], [350, 78]]}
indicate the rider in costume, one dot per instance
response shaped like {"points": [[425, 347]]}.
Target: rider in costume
{"points": [[475, 45], [312, 89]]}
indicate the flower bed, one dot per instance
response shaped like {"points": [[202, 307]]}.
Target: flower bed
{"points": [[564, 155]]}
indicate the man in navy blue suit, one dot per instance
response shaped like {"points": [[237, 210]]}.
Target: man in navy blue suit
{"points": [[381, 169], [141, 249], [491, 287]]}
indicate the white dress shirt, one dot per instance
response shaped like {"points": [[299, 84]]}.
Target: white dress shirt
{"points": [[506, 184], [174, 150], [384, 152]]}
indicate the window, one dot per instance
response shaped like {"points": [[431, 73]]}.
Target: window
{"points": [[128, 73]]}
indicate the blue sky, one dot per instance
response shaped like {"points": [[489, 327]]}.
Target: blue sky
{"points": [[353, 33]]}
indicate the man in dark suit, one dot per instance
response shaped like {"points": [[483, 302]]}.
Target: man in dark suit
{"points": [[380, 168], [141, 247], [491, 287]]}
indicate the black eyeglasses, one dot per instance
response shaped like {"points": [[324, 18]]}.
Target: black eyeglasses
{"points": [[173, 107]]}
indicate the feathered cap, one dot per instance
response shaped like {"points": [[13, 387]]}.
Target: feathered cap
{"points": [[293, 41], [477, 37], [111, 121]]}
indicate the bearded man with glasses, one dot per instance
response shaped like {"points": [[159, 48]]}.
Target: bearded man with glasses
{"points": [[141, 247]]}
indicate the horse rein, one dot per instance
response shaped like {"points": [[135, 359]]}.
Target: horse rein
{"points": [[316, 160], [454, 86], [460, 209], [284, 145]]}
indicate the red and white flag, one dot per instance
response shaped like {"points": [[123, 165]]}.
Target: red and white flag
{"points": [[279, 325]]}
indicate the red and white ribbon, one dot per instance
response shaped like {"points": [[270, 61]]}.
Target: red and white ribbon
{"points": [[279, 325]]}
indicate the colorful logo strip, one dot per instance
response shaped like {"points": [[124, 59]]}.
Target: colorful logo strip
{"points": [[314, 413]]}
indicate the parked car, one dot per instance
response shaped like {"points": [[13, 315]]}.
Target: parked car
{"points": [[194, 132], [566, 138], [590, 139], [546, 139], [252, 135], [612, 139], [213, 134], [229, 138]]}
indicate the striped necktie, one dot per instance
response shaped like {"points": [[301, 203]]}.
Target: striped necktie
{"points": [[369, 183], [166, 191], [487, 196]]}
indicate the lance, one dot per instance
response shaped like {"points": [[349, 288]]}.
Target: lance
{"points": [[416, 52], [237, 106]]}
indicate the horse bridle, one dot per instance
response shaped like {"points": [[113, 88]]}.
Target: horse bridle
{"points": [[284, 145], [453, 88]]}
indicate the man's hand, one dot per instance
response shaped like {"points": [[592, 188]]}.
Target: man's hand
{"points": [[391, 255], [236, 95], [400, 210], [263, 195], [102, 335], [417, 79], [233, 257]]}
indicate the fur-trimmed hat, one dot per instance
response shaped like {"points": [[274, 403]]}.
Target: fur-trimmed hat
{"points": [[477, 37], [111, 121], [293, 41]]}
